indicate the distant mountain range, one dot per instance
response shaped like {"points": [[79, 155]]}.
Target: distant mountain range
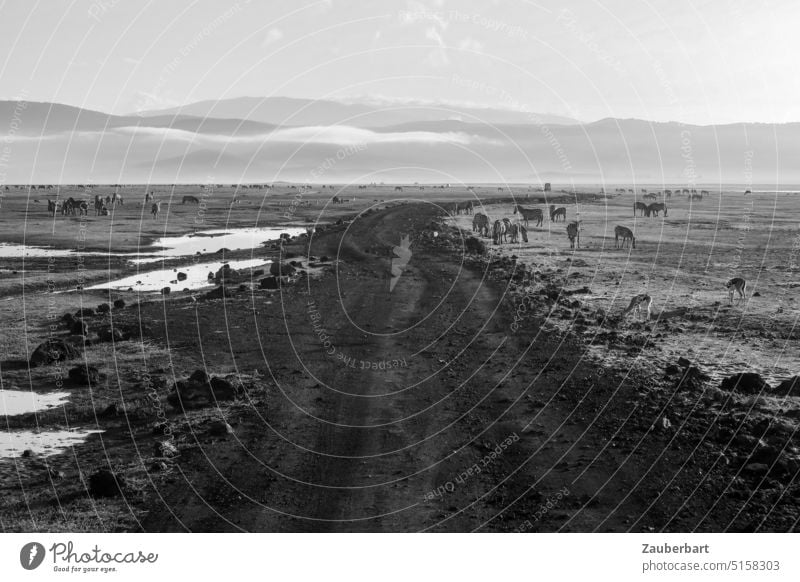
{"points": [[264, 140]]}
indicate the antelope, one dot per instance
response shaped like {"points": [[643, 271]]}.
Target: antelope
{"points": [[620, 232], [556, 212], [480, 224], [155, 209], [574, 234], [736, 285], [529, 214], [638, 303]]}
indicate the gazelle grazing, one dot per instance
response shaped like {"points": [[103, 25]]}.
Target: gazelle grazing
{"points": [[574, 234], [736, 285], [620, 232], [639, 302]]}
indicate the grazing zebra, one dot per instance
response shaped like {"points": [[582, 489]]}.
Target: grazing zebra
{"points": [[639, 302], [736, 285], [192, 199], [398, 188], [651, 196], [336, 200], [574, 234], [499, 232], [529, 214], [515, 229], [656, 207], [468, 207], [556, 212], [480, 224], [83, 208], [620, 232], [155, 209], [639, 206], [98, 205]]}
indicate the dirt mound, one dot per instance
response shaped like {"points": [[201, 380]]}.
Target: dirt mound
{"points": [[745, 383]]}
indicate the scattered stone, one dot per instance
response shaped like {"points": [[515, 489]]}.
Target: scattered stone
{"points": [[84, 312], [110, 334], [104, 483], [103, 308], [220, 428], [258, 272], [693, 378], [54, 350], [85, 375], [68, 319], [672, 370], [165, 291], [182, 276], [756, 294], [269, 283], [684, 363], [745, 383], [119, 303], [110, 411]]}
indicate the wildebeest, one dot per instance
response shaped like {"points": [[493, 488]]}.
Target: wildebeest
{"points": [[155, 209], [529, 214], [556, 212], [191, 199]]}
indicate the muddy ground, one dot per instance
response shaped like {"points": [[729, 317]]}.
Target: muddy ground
{"points": [[466, 392]]}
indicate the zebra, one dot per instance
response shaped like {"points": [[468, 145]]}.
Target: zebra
{"points": [[98, 205], [556, 212], [336, 200], [656, 207], [53, 206], [620, 232], [515, 229], [398, 188], [639, 302], [468, 207], [480, 224], [192, 199], [529, 214], [736, 285], [83, 208], [155, 209], [499, 231], [639, 206], [574, 234]]}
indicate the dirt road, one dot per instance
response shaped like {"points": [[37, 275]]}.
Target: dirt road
{"points": [[479, 427]]}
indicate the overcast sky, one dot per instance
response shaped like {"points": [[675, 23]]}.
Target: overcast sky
{"points": [[694, 61]]}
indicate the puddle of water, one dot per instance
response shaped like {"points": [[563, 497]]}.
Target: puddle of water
{"points": [[46, 444], [211, 241], [196, 276], [21, 402], [11, 250]]}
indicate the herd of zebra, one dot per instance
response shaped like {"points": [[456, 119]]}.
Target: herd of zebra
{"points": [[104, 205], [507, 230]]}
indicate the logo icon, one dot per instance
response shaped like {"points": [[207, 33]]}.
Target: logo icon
{"points": [[400, 257], [32, 555]]}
